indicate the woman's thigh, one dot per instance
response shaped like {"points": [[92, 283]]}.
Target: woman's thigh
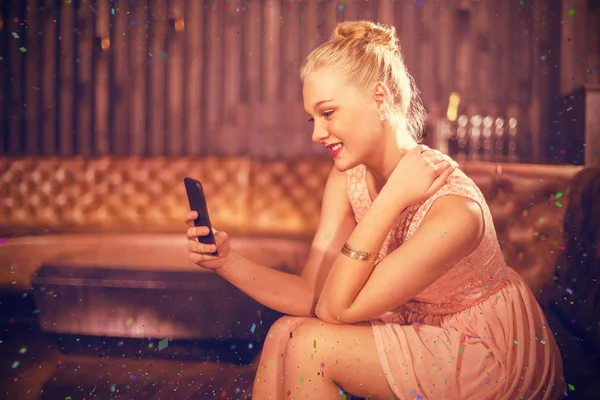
{"points": [[345, 354]]}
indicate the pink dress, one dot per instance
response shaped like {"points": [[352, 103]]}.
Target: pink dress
{"points": [[476, 333]]}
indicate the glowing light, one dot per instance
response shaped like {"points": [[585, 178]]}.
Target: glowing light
{"points": [[453, 104], [179, 25], [105, 44]]}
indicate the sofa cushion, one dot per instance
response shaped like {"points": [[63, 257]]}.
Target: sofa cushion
{"points": [[528, 204], [151, 251]]}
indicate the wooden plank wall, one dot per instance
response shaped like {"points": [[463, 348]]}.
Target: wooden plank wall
{"points": [[187, 77]]}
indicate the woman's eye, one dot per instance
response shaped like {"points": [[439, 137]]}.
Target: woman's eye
{"points": [[328, 114], [311, 120]]}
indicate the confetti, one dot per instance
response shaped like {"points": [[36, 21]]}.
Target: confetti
{"points": [[253, 328], [15, 35], [163, 344]]}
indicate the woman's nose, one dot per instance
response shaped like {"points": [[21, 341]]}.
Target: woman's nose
{"points": [[319, 134]]}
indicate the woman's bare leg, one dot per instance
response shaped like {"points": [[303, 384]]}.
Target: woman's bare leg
{"points": [[323, 358], [268, 383]]}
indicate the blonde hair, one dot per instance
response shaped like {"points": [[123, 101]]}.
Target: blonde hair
{"points": [[368, 53]]}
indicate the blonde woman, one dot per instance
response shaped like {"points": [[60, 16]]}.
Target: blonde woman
{"points": [[410, 290]]}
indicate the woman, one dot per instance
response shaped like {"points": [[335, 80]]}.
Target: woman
{"points": [[405, 275]]}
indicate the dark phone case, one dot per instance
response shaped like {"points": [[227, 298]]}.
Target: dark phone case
{"points": [[195, 195]]}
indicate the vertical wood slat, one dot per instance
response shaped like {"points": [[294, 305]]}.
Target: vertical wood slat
{"points": [[351, 12], [592, 52], [155, 107], [572, 51], [464, 56], [525, 56], [16, 109], [539, 99], [50, 77], [330, 17], [310, 18], [3, 80], [252, 52], [368, 11], [437, 101], [214, 77], [270, 39], [194, 72], [292, 106], [174, 116], [407, 34], [135, 96], [33, 81], [426, 59], [101, 79], [229, 140], [446, 40], [494, 58], [66, 78], [483, 60], [385, 12], [514, 40], [121, 78], [503, 54], [291, 55], [252, 77], [84, 93]]}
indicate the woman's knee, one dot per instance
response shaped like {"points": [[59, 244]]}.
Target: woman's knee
{"points": [[305, 340], [281, 331]]}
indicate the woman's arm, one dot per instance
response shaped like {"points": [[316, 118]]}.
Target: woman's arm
{"points": [[348, 276], [357, 291], [293, 294]]}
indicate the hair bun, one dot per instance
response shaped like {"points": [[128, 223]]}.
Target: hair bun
{"points": [[372, 33]]}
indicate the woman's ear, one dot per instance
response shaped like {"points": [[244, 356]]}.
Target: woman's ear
{"points": [[382, 96]]}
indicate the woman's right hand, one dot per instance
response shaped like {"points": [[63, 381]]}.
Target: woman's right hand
{"points": [[200, 252]]}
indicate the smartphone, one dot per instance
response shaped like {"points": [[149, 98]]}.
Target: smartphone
{"points": [[195, 195]]}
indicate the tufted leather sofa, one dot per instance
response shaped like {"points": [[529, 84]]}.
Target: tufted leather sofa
{"points": [[127, 213], [130, 210]]}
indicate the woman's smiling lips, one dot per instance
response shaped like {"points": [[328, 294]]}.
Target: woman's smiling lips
{"points": [[335, 148]]}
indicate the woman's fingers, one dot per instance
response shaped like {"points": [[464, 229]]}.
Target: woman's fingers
{"points": [[189, 217], [220, 237], [443, 171], [199, 258], [201, 248], [197, 231]]}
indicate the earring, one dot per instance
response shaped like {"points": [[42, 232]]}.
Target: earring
{"points": [[383, 116]]}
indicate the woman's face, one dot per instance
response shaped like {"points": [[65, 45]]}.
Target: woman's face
{"points": [[345, 114]]}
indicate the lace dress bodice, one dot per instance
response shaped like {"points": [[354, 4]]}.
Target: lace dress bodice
{"points": [[469, 281]]}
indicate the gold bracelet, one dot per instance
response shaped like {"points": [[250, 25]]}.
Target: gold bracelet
{"points": [[358, 255]]}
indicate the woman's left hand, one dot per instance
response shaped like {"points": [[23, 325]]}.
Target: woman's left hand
{"points": [[419, 174]]}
